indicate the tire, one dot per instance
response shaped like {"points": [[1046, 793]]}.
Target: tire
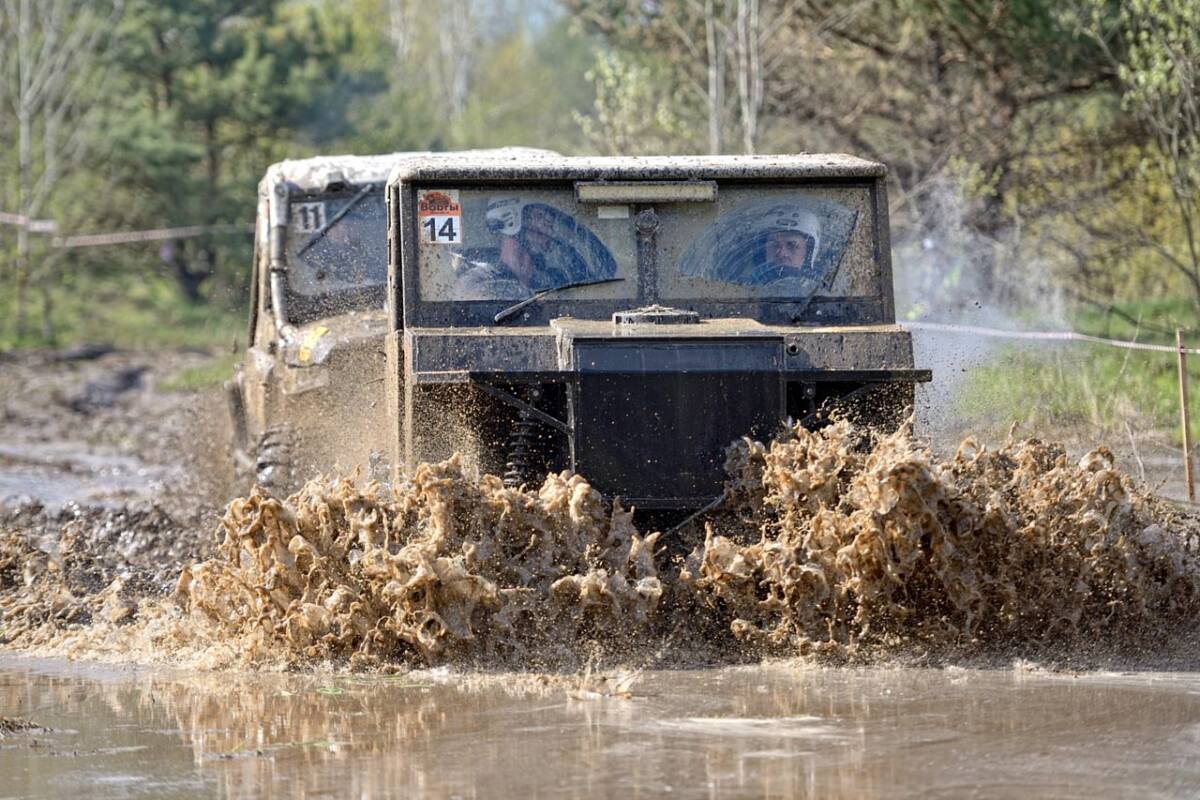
{"points": [[274, 462]]}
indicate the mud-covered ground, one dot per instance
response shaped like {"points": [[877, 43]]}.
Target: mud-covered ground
{"points": [[562, 634], [94, 450], [839, 545]]}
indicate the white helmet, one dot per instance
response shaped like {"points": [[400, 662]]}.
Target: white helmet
{"points": [[792, 217], [504, 215]]}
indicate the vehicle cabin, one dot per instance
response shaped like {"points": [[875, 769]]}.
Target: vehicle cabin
{"points": [[307, 397], [317, 307], [628, 318]]}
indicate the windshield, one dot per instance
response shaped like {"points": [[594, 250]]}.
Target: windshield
{"points": [[753, 243], [509, 244], [350, 254], [780, 244]]}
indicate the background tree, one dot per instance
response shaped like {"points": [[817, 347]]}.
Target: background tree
{"points": [[965, 100], [215, 90], [632, 113], [53, 80], [510, 72], [1155, 47]]}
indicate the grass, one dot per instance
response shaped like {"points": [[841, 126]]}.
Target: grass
{"points": [[1091, 386], [1104, 390], [126, 310], [212, 373], [132, 311]]}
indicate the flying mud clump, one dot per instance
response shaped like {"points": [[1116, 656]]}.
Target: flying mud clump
{"points": [[830, 547], [445, 568]]}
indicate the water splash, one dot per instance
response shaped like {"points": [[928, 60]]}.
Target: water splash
{"points": [[840, 548], [830, 543]]}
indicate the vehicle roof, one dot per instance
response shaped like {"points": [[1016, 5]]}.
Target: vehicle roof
{"points": [[310, 174], [548, 166]]}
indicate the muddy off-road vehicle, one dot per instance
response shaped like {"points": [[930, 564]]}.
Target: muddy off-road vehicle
{"points": [[628, 318], [308, 395]]}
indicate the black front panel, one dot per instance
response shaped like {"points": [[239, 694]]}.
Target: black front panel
{"points": [[469, 351], [660, 437]]}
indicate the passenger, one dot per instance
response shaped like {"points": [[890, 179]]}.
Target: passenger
{"points": [[530, 257]]}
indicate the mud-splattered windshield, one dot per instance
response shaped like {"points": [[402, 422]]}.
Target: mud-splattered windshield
{"points": [[753, 243], [510, 244], [790, 243], [337, 243], [776, 243]]}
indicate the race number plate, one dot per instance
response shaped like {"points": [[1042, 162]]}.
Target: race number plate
{"points": [[440, 216], [308, 217]]}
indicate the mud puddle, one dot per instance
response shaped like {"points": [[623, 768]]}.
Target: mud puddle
{"points": [[764, 731], [101, 426], [56, 474]]}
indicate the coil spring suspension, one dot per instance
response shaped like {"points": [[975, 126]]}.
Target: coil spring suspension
{"points": [[524, 460]]}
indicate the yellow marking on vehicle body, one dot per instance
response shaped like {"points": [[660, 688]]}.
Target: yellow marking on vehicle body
{"points": [[310, 341]]}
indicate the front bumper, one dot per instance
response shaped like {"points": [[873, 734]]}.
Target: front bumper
{"points": [[567, 346], [649, 412]]}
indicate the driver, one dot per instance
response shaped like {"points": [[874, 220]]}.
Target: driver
{"points": [[788, 248], [530, 257]]}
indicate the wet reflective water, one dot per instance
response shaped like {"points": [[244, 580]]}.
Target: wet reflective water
{"points": [[65, 472], [741, 732]]}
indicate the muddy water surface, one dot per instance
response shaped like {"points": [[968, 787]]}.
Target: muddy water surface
{"points": [[771, 731]]}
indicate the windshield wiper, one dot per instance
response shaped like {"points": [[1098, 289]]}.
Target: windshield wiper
{"points": [[512, 310], [366, 190]]}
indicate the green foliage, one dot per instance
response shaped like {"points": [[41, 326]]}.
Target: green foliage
{"points": [[1162, 80], [1163, 45], [211, 374], [529, 88], [1088, 387], [633, 113], [491, 81], [1091, 389], [211, 91], [200, 96], [125, 309]]}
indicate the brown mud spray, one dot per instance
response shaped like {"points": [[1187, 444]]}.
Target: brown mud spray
{"points": [[822, 547]]}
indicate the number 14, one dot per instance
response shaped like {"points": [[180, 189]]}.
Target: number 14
{"points": [[441, 229]]}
